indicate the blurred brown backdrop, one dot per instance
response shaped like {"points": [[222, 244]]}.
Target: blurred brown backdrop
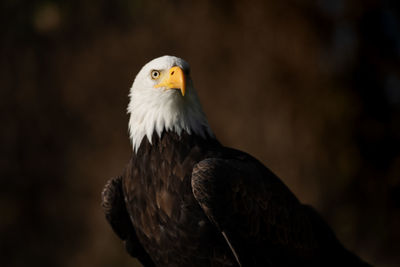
{"points": [[311, 88]]}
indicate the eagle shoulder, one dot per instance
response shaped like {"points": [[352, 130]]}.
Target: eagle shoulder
{"points": [[114, 208], [252, 208]]}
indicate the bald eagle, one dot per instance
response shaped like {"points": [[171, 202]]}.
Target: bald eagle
{"points": [[186, 200]]}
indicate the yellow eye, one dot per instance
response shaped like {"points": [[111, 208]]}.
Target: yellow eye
{"points": [[155, 74]]}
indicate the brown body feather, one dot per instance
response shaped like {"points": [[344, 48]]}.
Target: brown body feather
{"points": [[193, 202]]}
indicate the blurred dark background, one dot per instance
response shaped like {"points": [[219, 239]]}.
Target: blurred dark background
{"points": [[311, 88]]}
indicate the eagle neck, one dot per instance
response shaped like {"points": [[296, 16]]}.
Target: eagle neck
{"points": [[169, 141]]}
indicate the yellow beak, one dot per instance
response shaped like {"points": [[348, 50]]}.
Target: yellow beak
{"points": [[175, 79]]}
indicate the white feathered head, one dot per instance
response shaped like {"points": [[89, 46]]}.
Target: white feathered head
{"points": [[162, 98]]}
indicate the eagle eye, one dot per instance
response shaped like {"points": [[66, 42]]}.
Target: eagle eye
{"points": [[155, 74]]}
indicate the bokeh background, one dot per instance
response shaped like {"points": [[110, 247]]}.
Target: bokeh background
{"points": [[311, 88]]}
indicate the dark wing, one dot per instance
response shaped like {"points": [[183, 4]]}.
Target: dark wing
{"points": [[261, 220], [113, 205]]}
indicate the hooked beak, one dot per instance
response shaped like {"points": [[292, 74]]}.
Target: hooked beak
{"points": [[175, 79]]}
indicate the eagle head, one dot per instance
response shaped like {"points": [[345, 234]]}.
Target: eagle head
{"points": [[162, 98]]}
